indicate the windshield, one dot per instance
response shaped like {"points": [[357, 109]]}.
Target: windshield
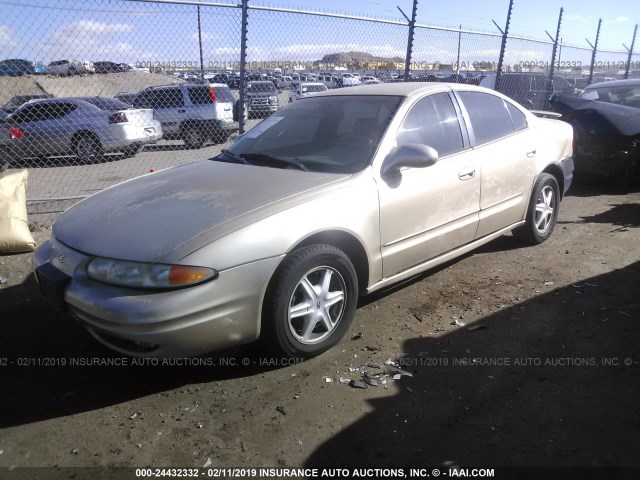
{"points": [[337, 134], [312, 88], [261, 87], [628, 96]]}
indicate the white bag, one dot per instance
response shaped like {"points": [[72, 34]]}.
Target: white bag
{"points": [[15, 236]]}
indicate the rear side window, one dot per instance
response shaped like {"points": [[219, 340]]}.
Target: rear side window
{"points": [[223, 94], [199, 95], [489, 116], [518, 118], [170, 98], [433, 121]]}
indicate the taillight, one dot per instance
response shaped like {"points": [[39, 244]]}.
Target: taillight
{"points": [[16, 132], [212, 94], [119, 117]]}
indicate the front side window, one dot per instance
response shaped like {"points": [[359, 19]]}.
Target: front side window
{"points": [[433, 121], [489, 116]]}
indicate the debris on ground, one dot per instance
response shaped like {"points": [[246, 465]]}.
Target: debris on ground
{"points": [[357, 384], [357, 336], [208, 463], [473, 328], [74, 451], [457, 322], [280, 408]]}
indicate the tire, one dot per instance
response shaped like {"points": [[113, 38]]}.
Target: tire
{"points": [[193, 136], [543, 211], [88, 149], [310, 302]]}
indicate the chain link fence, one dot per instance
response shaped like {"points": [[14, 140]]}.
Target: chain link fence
{"points": [[99, 91]]}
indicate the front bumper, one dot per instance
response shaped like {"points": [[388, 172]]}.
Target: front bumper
{"points": [[221, 313]]}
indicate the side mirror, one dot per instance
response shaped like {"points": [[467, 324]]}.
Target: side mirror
{"points": [[414, 155]]}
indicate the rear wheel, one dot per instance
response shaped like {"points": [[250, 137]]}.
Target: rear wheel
{"points": [[543, 211], [193, 136], [88, 149], [311, 301], [131, 150]]}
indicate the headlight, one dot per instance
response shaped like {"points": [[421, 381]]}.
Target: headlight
{"points": [[147, 275], [273, 100]]}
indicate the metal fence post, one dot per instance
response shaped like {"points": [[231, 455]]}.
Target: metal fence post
{"points": [[243, 61], [200, 45], [553, 62], [412, 27], [503, 46], [630, 50], [593, 54]]}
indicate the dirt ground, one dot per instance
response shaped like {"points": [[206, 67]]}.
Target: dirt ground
{"points": [[519, 357]]}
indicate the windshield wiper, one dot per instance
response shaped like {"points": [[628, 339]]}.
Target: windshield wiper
{"points": [[287, 162], [230, 154]]}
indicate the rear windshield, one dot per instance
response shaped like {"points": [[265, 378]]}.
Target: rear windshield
{"points": [[106, 103], [199, 95]]}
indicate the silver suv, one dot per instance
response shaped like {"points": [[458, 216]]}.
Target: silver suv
{"points": [[194, 113]]}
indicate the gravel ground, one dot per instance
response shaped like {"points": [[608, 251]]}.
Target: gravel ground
{"points": [[519, 356]]}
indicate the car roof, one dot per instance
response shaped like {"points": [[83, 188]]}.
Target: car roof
{"points": [[404, 89], [631, 82], [312, 84]]}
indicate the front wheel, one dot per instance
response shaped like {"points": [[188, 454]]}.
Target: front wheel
{"points": [[311, 301], [543, 211], [88, 149]]}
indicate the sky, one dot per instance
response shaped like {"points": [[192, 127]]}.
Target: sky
{"points": [[147, 33]]}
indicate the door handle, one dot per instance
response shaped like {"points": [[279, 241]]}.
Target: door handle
{"points": [[531, 154], [467, 174]]}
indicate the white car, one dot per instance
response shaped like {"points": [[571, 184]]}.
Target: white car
{"points": [[306, 88], [69, 67]]}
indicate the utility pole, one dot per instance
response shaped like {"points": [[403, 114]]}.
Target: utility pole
{"points": [[458, 58]]}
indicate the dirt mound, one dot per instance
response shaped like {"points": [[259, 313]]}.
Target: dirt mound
{"points": [[85, 85]]}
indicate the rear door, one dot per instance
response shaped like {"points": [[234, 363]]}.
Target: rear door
{"points": [[505, 148], [425, 212], [168, 107]]}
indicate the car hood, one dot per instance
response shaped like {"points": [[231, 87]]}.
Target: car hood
{"points": [[598, 117], [178, 210]]}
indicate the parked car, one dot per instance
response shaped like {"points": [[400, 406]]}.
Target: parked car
{"points": [[261, 98], [328, 80], [284, 81], [606, 126], [110, 67], [529, 89], [333, 197], [87, 127], [304, 89], [15, 67], [69, 67], [375, 81], [126, 97], [16, 102], [193, 113]]}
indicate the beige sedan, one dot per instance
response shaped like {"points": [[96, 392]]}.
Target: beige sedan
{"points": [[330, 198]]}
